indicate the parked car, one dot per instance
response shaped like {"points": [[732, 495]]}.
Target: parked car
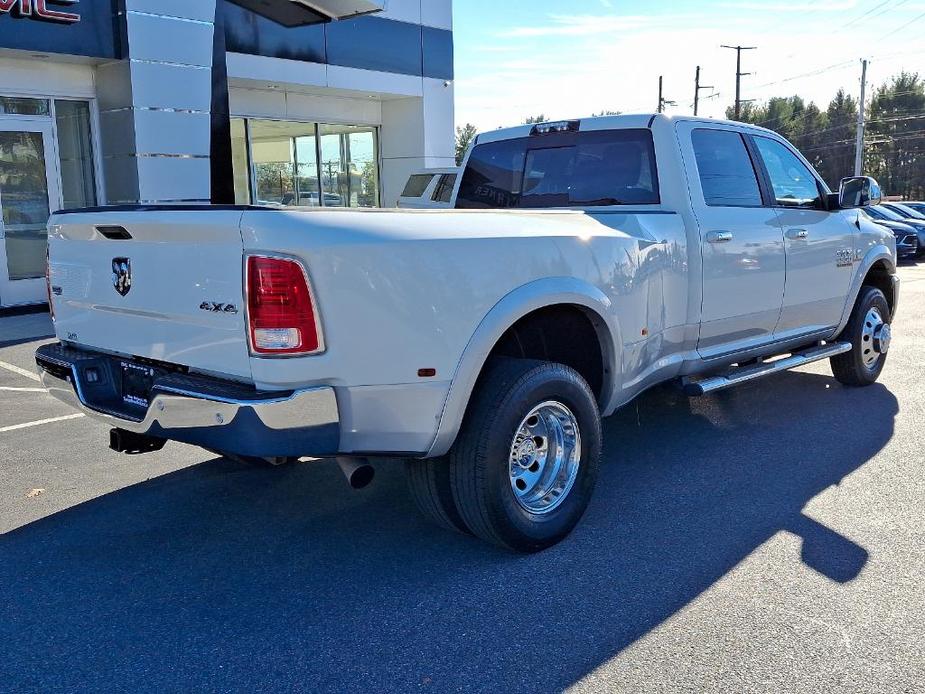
{"points": [[907, 241], [917, 206], [884, 212], [430, 189], [483, 345], [905, 210]]}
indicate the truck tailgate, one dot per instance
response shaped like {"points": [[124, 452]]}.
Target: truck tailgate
{"points": [[164, 285]]}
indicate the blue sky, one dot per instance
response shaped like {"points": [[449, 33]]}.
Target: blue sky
{"points": [[516, 58]]}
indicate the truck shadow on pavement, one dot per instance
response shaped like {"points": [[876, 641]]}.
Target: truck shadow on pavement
{"points": [[223, 577]]}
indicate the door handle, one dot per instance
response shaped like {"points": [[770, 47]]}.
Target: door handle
{"points": [[798, 234], [719, 237]]}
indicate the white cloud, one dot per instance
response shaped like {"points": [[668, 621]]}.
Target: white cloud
{"points": [[575, 66], [577, 25]]}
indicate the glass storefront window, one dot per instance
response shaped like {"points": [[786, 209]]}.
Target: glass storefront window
{"points": [[75, 147], [240, 164], [285, 168], [24, 202], [16, 106], [285, 163], [349, 165]]}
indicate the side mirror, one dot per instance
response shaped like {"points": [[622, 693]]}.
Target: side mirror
{"points": [[858, 191]]}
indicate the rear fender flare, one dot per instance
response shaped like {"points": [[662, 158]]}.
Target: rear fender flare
{"points": [[514, 306]]}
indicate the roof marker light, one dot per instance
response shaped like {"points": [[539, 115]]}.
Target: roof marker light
{"points": [[562, 126]]}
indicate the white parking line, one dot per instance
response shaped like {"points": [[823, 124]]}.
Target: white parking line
{"points": [[9, 389], [40, 422], [16, 370]]}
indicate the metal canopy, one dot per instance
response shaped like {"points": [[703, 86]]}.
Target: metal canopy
{"points": [[292, 13]]}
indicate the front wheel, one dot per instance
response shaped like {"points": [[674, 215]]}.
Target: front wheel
{"points": [[870, 334], [524, 466]]}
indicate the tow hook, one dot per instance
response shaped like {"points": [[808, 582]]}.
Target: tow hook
{"points": [[130, 443]]}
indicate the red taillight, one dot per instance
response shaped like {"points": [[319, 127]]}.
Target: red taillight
{"points": [[280, 309], [51, 304]]}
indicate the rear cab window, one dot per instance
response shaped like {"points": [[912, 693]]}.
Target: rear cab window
{"points": [[416, 185], [562, 169]]}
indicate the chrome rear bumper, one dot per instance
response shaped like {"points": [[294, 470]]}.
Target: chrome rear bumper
{"points": [[215, 414]]}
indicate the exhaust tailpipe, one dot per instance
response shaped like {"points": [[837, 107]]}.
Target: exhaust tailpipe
{"points": [[358, 471]]}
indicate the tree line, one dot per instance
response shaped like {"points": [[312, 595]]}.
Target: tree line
{"points": [[894, 142]]}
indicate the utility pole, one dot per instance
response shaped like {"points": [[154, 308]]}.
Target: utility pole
{"points": [[662, 101], [859, 152], [697, 90], [739, 76]]}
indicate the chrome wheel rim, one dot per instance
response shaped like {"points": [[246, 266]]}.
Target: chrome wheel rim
{"points": [[545, 456], [876, 336]]}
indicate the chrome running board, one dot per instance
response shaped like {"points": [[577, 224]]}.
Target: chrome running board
{"points": [[743, 374]]}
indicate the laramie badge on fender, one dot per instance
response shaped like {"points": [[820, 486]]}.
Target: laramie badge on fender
{"points": [[213, 307], [122, 275]]}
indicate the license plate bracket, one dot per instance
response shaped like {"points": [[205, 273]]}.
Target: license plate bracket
{"points": [[137, 381]]}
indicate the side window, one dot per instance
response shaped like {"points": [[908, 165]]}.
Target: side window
{"points": [[791, 180], [727, 174], [416, 185], [444, 190]]}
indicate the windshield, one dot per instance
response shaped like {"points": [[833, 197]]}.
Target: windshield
{"points": [[886, 213], [907, 211]]}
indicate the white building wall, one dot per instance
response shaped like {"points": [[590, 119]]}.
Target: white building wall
{"points": [[155, 106]]}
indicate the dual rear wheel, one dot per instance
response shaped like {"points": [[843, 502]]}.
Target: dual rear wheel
{"points": [[524, 466]]}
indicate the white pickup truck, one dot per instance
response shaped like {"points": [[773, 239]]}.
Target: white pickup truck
{"points": [[585, 262]]}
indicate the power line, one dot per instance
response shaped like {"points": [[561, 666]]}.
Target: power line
{"points": [[904, 26], [860, 17]]}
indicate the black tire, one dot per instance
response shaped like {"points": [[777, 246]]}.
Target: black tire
{"points": [[429, 484], [480, 458], [849, 368]]}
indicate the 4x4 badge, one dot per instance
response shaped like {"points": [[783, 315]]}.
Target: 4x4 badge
{"points": [[213, 307], [122, 275]]}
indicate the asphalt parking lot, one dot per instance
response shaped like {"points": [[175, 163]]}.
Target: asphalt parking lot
{"points": [[768, 538]]}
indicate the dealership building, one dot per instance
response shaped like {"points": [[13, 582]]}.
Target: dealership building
{"points": [[288, 102]]}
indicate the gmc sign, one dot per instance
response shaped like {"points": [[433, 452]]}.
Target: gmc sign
{"points": [[40, 9]]}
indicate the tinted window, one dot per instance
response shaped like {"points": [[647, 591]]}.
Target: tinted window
{"points": [[444, 190], [727, 175], [416, 185], [614, 167], [791, 180], [881, 212], [493, 175], [906, 211]]}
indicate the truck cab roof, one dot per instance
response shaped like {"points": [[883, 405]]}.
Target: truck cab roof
{"points": [[618, 122]]}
